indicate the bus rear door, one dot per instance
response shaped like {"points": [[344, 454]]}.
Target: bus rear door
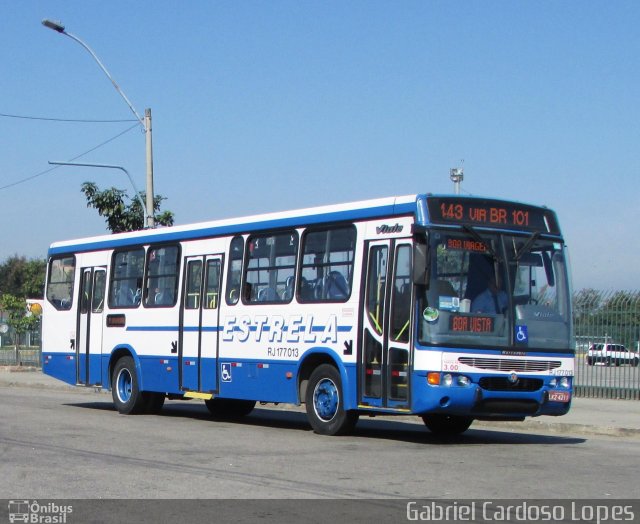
{"points": [[386, 325], [89, 326], [199, 321]]}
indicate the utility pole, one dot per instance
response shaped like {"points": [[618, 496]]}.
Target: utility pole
{"points": [[145, 123], [151, 223]]}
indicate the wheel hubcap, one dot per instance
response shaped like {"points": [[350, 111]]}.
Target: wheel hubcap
{"points": [[124, 384], [326, 399]]}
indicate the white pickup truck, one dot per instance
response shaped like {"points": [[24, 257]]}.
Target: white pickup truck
{"points": [[611, 354]]}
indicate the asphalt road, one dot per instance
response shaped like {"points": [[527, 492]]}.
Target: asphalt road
{"points": [[73, 444]]}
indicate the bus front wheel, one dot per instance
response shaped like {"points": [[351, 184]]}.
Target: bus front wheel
{"points": [[325, 403], [125, 392], [447, 425]]}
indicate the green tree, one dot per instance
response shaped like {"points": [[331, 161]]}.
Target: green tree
{"points": [[621, 312], [22, 278], [122, 212], [17, 317]]}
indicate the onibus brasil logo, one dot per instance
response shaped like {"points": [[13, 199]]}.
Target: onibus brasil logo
{"points": [[33, 512]]}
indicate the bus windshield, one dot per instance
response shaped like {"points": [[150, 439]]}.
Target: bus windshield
{"points": [[495, 290]]}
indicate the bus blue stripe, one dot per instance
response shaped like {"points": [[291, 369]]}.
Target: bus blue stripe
{"points": [[319, 329]]}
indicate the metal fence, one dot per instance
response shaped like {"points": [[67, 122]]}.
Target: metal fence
{"points": [[607, 317], [26, 356], [29, 348], [599, 317]]}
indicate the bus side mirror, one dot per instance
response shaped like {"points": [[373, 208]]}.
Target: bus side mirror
{"points": [[421, 264]]}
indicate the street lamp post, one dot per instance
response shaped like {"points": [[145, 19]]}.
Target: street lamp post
{"points": [[457, 175], [107, 166], [146, 122]]}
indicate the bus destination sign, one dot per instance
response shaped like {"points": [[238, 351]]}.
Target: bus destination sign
{"points": [[471, 324], [491, 213]]}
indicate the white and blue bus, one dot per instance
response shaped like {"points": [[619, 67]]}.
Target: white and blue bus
{"points": [[446, 307]]}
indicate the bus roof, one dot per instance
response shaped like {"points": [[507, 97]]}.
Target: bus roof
{"points": [[446, 210], [362, 210]]}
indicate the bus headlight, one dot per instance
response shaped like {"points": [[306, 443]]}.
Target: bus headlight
{"points": [[461, 380], [553, 382], [565, 382], [448, 380]]}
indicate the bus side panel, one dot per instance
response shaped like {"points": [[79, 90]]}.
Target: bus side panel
{"points": [[260, 381], [60, 365], [150, 336], [159, 373], [275, 381]]}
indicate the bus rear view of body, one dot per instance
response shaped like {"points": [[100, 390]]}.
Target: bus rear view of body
{"points": [[448, 308]]}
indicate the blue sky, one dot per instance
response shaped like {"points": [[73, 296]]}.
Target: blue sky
{"points": [[267, 106]]}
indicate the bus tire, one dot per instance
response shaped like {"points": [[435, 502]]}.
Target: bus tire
{"points": [[229, 408], [446, 425], [125, 392], [153, 402], [325, 404]]}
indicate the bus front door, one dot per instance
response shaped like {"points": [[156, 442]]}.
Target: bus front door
{"points": [[386, 326], [199, 321], [89, 326]]}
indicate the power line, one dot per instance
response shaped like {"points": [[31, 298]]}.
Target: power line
{"points": [[71, 159], [80, 120]]}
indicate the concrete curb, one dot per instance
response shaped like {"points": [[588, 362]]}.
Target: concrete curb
{"points": [[561, 428]]}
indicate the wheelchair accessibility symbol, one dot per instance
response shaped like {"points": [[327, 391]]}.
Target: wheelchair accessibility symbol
{"points": [[225, 372], [522, 335]]}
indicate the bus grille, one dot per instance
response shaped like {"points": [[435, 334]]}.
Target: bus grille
{"points": [[503, 384], [503, 364]]}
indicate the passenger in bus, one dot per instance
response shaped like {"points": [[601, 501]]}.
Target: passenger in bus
{"points": [[124, 296], [492, 300], [306, 291], [246, 292], [335, 286]]}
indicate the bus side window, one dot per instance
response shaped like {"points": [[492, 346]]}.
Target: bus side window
{"points": [[271, 266], [234, 273], [162, 276], [127, 268], [60, 282], [327, 265]]}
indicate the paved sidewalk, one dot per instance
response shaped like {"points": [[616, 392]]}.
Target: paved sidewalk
{"points": [[588, 416]]}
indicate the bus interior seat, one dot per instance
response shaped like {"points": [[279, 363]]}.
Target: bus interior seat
{"points": [[287, 294], [267, 294]]}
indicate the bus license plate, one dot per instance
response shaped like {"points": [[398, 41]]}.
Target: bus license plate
{"points": [[559, 396]]}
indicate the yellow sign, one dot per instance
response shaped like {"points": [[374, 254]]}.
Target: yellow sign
{"points": [[36, 309]]}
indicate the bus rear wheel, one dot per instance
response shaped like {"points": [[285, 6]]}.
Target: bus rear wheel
{"points": [[125, 392], [325, 404], [228, 408], [446, 425]]}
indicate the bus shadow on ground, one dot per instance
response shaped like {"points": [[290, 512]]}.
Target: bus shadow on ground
{"points": [[367, 427]]}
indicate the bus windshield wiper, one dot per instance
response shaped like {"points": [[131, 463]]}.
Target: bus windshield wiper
{"points": [[476, 236], [527, 245]]}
